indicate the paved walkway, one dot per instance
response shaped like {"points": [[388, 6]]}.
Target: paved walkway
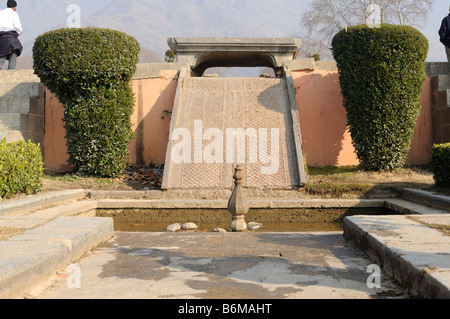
{"points": [[411, 248], [224, 266]]}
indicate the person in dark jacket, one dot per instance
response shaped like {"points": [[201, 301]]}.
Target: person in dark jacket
{"points": [[444, 34], [10, 29]]}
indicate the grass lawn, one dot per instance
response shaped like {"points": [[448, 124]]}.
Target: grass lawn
{"points": [[322, 181], [338, 181]]}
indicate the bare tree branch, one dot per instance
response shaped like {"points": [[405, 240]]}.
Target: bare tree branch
{"points": [[325, 18]]}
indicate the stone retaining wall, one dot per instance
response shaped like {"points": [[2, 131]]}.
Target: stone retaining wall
{"points": [[28, 111]]}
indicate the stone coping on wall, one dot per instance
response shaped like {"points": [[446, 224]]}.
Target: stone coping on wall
{"points": [[143, 71], [201, 53], [152, 70], [310, 64]]}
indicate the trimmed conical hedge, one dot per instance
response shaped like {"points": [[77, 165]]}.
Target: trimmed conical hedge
{"points": [[382, 71], [89, 70]]}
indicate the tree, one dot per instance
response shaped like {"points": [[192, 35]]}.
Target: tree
{"points": [[381, 74], [325, 18], [90, 71]]}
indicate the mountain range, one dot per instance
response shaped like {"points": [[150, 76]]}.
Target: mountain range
{"points": [[151, 22]]}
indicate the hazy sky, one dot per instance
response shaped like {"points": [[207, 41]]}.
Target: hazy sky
{"points": [[440, 10], [32, 10]]}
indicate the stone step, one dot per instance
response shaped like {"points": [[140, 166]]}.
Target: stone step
{"points": [[429, 199], [27, 205], [30, 89], [18, 76], [10, 104], [29, 259], [411, 252]]}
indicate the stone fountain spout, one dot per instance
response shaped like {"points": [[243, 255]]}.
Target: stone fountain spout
{"points": [[238, 204]]}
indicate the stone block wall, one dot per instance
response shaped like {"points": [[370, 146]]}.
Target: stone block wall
{"points": [[440, 85], [22, 107]]}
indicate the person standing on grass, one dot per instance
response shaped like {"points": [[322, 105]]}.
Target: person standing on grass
{"points": [[444, 34], [10, 29]]}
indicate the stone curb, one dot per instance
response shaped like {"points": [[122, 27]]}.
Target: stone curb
{"points": [[405, 207], [222, 204], [36, 202], [426, 198], [412, 253], [30, 258]]}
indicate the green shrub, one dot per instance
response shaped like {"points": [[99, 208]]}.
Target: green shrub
{"points": [[90, 70], [440, 164], [381, 71], [20, 168]]}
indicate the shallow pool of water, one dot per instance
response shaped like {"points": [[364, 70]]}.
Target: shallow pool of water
{"points": [[207, 227], [273, 220]]}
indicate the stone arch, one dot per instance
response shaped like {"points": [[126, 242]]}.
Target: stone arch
{"points": [[233, 59], [199, 54]]}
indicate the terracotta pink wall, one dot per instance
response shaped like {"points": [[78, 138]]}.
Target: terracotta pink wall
{"points": [[326, 139], [151, 118], [55, 154], [151, 122]]}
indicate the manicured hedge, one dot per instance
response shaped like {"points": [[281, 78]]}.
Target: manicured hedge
{"points": [[382, 71], [21, 168], [89, 70], [440, 162]]}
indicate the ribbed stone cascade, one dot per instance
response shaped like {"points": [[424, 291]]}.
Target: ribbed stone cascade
{"points": [[218, 123], [218, 104]]}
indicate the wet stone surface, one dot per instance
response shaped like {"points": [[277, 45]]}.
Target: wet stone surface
{"points": [[227, 266]]}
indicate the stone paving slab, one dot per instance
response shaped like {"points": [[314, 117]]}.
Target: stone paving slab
{"points": [[28, 259], [23, 265], [443, 220], [415, 254], [71, 208], [22, 222], [405, 207], [427, 198], [235, 266]]}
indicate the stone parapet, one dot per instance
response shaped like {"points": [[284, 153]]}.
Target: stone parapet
{"points": [[203, 53], [22, 107]]}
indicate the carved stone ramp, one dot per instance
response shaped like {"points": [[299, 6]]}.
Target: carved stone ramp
{"points": [[210, 114]]}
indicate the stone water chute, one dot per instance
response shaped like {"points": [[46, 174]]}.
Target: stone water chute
{"points": [[220, 122]]}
